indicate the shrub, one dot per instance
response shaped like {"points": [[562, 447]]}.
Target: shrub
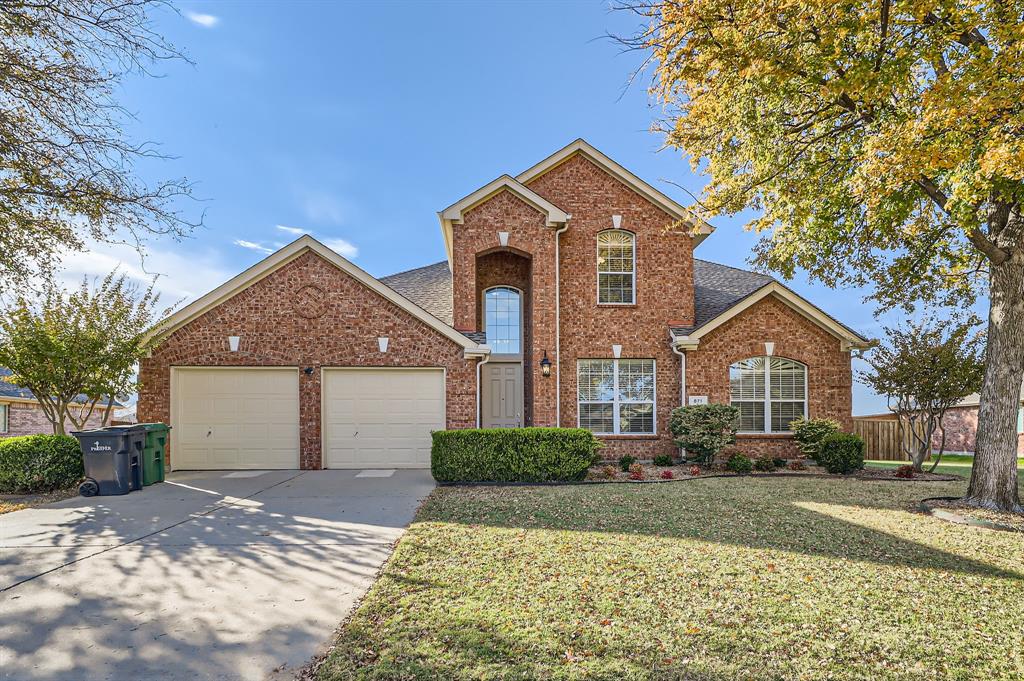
{"points": [[666, 475], [906, 471], [608, 472], [695, 470], [797, 465], [663, 460], [636, 472], [809, 434], [625, 462], [704, 429], [39, 463], [512, 454], [779, 463], [738, 463], [764, 465], [842, 453]]}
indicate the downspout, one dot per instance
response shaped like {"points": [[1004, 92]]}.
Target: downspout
{"points": [[558, 329], [682, 374], [480, 363]]}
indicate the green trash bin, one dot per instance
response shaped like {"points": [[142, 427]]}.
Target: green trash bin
{"points": [[153, 452]]}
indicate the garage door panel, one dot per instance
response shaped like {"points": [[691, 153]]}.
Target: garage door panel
{"points": [[237, 418], [381, 418]]}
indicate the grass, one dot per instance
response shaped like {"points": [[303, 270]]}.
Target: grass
{"points": [[716, 579], [954, 464]]}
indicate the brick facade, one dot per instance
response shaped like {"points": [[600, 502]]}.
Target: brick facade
{"points": [[961, 425], [28, 418], [273, 333]]}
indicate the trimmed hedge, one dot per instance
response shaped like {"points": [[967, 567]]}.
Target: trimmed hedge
{"points": [[842, 453], [512, 454], [39, 463]]}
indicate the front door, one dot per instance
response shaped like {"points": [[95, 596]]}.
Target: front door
{"points": [[501, 400]]}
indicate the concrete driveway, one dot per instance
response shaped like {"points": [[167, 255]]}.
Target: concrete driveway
{"points": [[211, 575]]}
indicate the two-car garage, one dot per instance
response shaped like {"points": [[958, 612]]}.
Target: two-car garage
{"points": [[249, 417]]}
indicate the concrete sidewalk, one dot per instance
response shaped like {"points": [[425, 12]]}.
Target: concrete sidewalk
{"points": [[210, 575]]}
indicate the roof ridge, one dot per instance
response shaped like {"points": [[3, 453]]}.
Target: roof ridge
{"points": [[415, 269]]}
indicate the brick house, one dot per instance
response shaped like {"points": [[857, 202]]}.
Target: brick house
{"points": [[570, 296], [20, 413], [961, 425]]}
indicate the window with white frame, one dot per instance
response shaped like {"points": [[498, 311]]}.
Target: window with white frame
{"points": [[616, 396], [616, 267], [503, 320], [770, 392], [4, 425]]}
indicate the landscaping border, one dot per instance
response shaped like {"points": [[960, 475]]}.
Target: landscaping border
{"points": [[688, 478], [951, 517]]}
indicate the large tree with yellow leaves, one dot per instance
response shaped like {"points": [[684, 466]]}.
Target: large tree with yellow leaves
{"points": [[881, 143]]}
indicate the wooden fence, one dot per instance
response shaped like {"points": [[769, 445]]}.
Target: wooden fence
{"points": [[882, 439]]}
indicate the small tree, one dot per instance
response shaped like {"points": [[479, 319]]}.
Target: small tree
{"points": [[704, 429], [78, 350], [810, 433], [925, 369]]}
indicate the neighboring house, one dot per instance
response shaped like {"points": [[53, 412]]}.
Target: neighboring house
{"points": [[570, 296], [961, 424], [20, 413]]}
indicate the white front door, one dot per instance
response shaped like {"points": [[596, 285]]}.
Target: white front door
{"points": [[234, 418], [381, 418]]}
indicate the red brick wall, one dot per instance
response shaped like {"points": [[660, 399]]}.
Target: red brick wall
{"points": [[342, 332], [27, 418], [829, 375], [961, 424]]}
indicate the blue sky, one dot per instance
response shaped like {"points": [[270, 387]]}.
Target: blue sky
{"points": [[358, 122]]}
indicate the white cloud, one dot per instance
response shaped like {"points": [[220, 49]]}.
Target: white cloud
{"points": [[180, 276], [253, 246], [204, 20], [297, 231], [342, 247]]}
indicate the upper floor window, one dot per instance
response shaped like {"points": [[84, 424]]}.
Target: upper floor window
{"points": [[4, 425], [616, 396], [503, 320], [770, 393], [616, 267]]}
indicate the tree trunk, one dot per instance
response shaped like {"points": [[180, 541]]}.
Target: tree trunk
{"points": [[994, 475]]}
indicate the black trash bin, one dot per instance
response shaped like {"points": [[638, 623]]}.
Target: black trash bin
{"points": [[113, 460]]}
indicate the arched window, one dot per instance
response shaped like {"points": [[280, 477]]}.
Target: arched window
{"points": [[616, 267], [770, 393], [503, 320]]}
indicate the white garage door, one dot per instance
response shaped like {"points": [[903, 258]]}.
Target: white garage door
{"points": [[235, 418], [381, 418]]}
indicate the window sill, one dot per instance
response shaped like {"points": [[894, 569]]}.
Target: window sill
{"points": [[763, 436], [637, 436], [615, 305]]}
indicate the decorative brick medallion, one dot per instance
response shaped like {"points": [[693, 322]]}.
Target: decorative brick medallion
{"points": [[310, 302]]}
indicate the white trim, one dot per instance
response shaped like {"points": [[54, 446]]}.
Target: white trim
{"points": [[279, 259], [504, 356], [5, 418], [581, 146], [848, 338], [597, 254], [615, 402], [173, 390], [323, 384], [767, 400]]}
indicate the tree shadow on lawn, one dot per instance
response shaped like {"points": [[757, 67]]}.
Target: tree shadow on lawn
{"points": [[844, 519]]}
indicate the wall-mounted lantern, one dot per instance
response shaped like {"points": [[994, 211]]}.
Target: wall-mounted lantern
{"points": [[233, 343], [382, 343], [545, 365]]}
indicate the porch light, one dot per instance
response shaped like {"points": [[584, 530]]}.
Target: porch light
{"points": [[233, 343], [545, 365]]}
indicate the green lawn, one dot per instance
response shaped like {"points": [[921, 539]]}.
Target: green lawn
{"points": [[715, 579], [956, 464]]}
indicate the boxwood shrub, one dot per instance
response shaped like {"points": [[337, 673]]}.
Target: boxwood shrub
{"points": [[512, 454], [842, 453], [39, 463]]}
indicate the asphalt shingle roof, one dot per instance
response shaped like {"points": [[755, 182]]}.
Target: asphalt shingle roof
{"points": [[430, 287]]}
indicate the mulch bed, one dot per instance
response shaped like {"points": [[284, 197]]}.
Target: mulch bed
{"points": [[16, 502], [955, 511], [890, 474], [611, 472]]}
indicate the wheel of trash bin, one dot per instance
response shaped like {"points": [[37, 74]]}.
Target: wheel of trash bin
{"points": [[89, 488]]}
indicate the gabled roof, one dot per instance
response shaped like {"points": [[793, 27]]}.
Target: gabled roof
{"points": [[974, 400], [452, 215], [429, 287], [721, 293], [658, 198], [277, 260]]}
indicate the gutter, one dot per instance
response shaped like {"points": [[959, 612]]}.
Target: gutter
{"points": [[558, 328], [485, 357]]}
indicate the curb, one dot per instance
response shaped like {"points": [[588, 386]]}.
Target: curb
{"points": [[952, 517]]}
